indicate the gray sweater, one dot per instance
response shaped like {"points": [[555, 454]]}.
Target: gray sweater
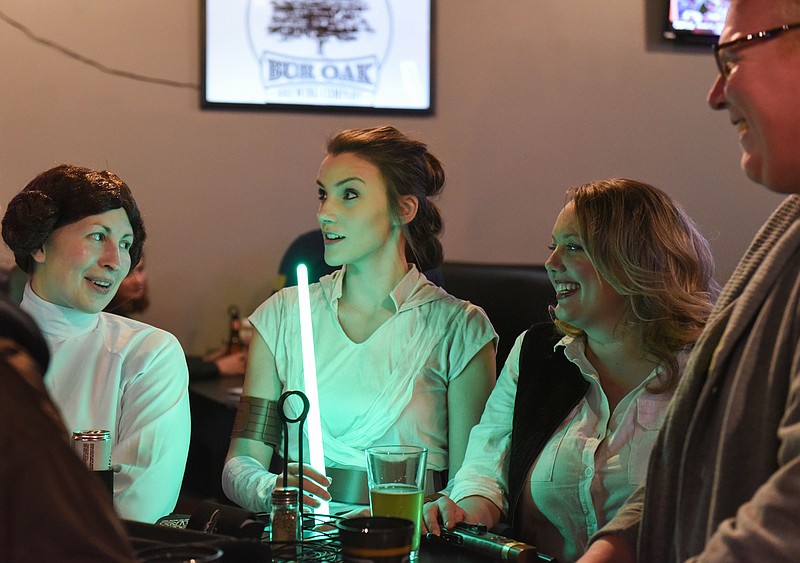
{"points": [[724, 477]]}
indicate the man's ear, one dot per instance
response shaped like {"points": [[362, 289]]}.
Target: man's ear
{"points": [[407, 209], [38, 255]]}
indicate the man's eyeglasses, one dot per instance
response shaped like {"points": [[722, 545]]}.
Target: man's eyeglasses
{"points": [[721, 48]]}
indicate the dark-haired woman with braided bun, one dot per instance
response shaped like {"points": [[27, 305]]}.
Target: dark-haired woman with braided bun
{"points": [[77, 232], [399, 361]]}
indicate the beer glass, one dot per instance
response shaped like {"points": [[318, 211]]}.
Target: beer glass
{"points": [[396, 476]]}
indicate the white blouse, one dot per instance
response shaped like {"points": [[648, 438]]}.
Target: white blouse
{"points": [[389, 389], [113, 373], [591, 464]]}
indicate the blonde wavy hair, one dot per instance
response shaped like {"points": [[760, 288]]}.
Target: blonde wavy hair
{"points": [[650, 251]]}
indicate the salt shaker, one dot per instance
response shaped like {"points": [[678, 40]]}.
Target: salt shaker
{"points": [[285, 520]]}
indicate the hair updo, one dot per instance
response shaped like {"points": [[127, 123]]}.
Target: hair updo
{"points": [[407, 168], [63, 195]]}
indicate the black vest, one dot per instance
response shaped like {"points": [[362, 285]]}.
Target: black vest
{"points": [[549, 387]]}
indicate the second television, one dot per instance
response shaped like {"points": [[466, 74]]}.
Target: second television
{"points": [[695, 21]]}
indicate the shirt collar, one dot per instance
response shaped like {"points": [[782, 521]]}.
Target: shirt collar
{"points": [[411, 291], [56, 320], [575, 351]]}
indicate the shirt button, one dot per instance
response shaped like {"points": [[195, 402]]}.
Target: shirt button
{"points": [[588, 472]]}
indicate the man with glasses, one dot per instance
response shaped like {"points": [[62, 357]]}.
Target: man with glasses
{"points": [[724, 477]]}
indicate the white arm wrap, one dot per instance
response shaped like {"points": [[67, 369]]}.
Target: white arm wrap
{"points": [[248, 484]]}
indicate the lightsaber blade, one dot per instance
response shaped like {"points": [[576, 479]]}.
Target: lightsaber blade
{"points": [[315, 451]]}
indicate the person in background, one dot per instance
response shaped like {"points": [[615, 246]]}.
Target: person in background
{"points": [[133, 298], [51, 507], [218, 363], [398, 360], [567, 432], [724, 479], [309, 249], [77, 233], [12, 283]]}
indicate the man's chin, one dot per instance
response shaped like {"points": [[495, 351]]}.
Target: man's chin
{"points": [[750, 168], [778, 183]]}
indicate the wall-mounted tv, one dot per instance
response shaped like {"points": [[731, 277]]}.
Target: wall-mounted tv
{"points": [[695, 21], [362, 55]]}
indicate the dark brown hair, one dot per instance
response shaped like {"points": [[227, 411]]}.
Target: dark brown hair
{"points": [[408, 169], [63, 195]]}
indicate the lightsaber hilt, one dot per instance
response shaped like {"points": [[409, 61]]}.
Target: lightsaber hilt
{"points": [[475, 537]]}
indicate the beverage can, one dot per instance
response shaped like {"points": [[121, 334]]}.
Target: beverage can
{"points": [[94, 448]]}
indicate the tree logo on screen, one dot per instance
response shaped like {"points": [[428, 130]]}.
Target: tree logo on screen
{"points": [[320, 52]]}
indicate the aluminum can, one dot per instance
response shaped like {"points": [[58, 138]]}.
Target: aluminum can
{"points": [[94, 448]]}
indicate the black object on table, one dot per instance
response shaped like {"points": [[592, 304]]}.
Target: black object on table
{"points": [[477, 538], [213, 404], [237, 549], [234, 530]]}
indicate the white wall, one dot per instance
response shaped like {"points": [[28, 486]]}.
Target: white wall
{"points": [[532, 96]]}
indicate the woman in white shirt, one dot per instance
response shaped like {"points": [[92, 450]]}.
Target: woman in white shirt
{"points": [[568, 430], [399, 361], [77, 233]]}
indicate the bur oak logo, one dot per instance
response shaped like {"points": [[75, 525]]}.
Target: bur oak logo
{"points": [[321, 51], [320, 20]]}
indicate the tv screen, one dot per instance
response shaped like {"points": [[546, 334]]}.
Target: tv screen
{"points": [[315, 54], [696, 21]]}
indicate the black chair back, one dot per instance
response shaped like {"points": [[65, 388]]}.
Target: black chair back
{"points": [[514, 296]]}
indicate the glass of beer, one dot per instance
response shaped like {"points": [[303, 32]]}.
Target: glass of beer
{"points": [[396, 477]]}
